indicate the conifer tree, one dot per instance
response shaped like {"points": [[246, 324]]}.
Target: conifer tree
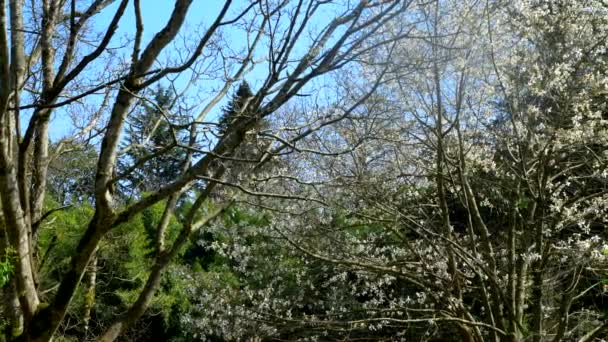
{"points": [[244, 158], [236, 108], [147, 132]]}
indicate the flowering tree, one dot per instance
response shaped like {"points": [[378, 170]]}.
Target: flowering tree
{"points": [[466, 197]]}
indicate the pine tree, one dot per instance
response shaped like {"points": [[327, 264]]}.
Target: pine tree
{"points": [[253, 146], [148, 132], [236, 107]]}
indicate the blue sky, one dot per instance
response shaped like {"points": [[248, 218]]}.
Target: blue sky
{"points": [[155, 14]]}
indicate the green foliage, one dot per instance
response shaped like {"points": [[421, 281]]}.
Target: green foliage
{"points": [[124, 256], [127, 252], [150, 220], [7, 266], [59, 236], [523, 203]]}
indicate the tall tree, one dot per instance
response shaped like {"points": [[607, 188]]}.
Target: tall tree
{"points": [[249, 154], [237, 109], [151, 129]]}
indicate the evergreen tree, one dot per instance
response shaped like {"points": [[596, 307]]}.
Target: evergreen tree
{"points": [[236, 107], [147, 133], [252, 147]]}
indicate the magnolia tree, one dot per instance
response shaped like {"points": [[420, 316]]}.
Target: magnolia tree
{"points": [[465, 199], [65, 59]]}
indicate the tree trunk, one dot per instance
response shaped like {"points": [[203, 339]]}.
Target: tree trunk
{"points": [[89, 300], [43, 325]]}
